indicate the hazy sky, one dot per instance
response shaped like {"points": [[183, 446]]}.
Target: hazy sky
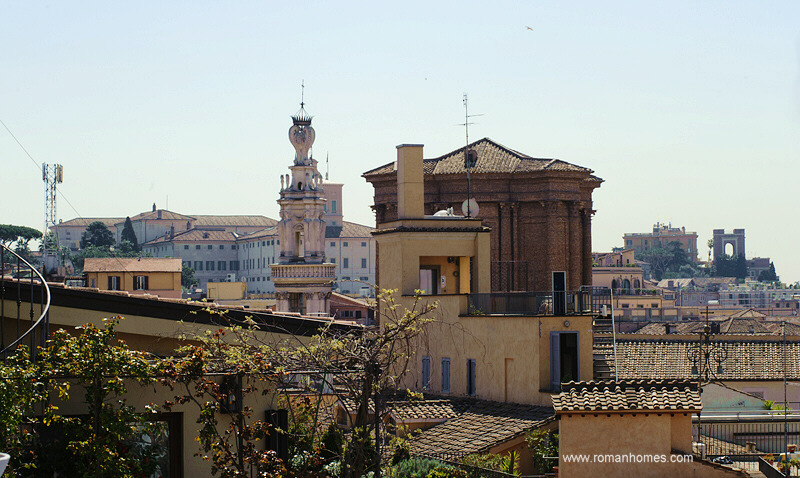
{"points": [[688, 110]]}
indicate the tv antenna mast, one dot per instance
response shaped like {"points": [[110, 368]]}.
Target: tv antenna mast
{"points": [[470, 158], [327, 166], [52, 174]]}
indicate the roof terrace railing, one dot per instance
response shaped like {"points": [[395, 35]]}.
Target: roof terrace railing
{"points": [[531, 303], [22, 283]]}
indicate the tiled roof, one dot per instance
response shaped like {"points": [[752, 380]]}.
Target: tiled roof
{"points": [[165, 216], [492, 158], [197, 235], [680, 328], [633, 395], [669, 359], [715, 446], [268, 232], [791, 328], [85, 221], [731, 326], [748, 313], [145, 264], [348, 229], [744, 326], [418, 410], [481, 426], [232, 221]]}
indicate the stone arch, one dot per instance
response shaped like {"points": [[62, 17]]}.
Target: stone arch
{"points": [[626, 284]]}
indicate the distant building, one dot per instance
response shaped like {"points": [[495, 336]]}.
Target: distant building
{"points": [[539, 210], [212, 253], [302, 276], [148, 275], [756, 266], [724, 239], [70, 232], [661, 236]]}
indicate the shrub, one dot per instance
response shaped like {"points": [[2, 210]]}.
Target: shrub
{"points": [[447, 471], [488, 461], [415, 468]]}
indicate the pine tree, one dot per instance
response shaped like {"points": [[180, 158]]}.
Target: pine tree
{"points": [[129, 235]]}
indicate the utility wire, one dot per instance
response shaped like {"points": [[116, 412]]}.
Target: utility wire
{"points": [[38, 166]]}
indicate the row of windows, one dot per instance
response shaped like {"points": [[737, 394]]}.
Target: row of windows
{"points": [[426, 375], [220, 265], [139, 283], [347, 244]]}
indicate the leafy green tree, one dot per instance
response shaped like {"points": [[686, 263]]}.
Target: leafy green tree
{"points": [[727, 266], [128, 234], [44, 443], [361, 365], [542, 443], [187, 276], [10, 233], [98, 235], [768, 275]]}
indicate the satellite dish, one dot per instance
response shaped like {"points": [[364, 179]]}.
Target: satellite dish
{"points": [[470, 207]]}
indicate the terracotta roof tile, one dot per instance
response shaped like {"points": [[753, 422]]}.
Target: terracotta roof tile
{"points": [[627, 395], [233, 221], [145, 264], [85, 221], [669, 359], [197, 235], [482, 425], [492, 158], [154, 215]]}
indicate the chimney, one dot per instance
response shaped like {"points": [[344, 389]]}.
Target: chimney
{"points": [[410, 186], [154, 207], [159, 213], [172, 231], [667, 329]]}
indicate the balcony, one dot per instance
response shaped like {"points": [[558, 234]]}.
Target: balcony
{"points": [[581, 302], [303, 271]]}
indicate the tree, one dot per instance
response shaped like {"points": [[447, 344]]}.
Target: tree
{"points": [[102, 443], [22, 235], [187, 276], [98, 235], [727, 266], [359, 364], [128, 234], [768, 275]]}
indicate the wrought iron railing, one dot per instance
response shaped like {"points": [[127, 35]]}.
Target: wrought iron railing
{"points": [[741, 439], [530, 303], [455, 460], [22, 287]]}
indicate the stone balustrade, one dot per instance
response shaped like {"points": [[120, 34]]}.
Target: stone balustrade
{"points": [[303, 271]]}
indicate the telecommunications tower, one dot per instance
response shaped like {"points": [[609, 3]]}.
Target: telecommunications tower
{"points": [[52, 174]]}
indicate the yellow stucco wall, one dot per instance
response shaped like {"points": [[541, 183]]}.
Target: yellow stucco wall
{"points": [[159, 336], [624, 434], [400, 254], [512, 353], [157, 281]]}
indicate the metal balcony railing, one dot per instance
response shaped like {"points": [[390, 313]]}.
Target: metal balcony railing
{"points": [[530, 303], [22, 288]]}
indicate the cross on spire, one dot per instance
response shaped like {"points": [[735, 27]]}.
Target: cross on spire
{"points": [[302, 92]]}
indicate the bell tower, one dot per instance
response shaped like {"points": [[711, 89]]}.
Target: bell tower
{"points": [[303, 280]]}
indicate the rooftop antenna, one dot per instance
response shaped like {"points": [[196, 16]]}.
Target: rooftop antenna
{"points": [[52, 174], [327, 166], [302, 92], [468, 160]]}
